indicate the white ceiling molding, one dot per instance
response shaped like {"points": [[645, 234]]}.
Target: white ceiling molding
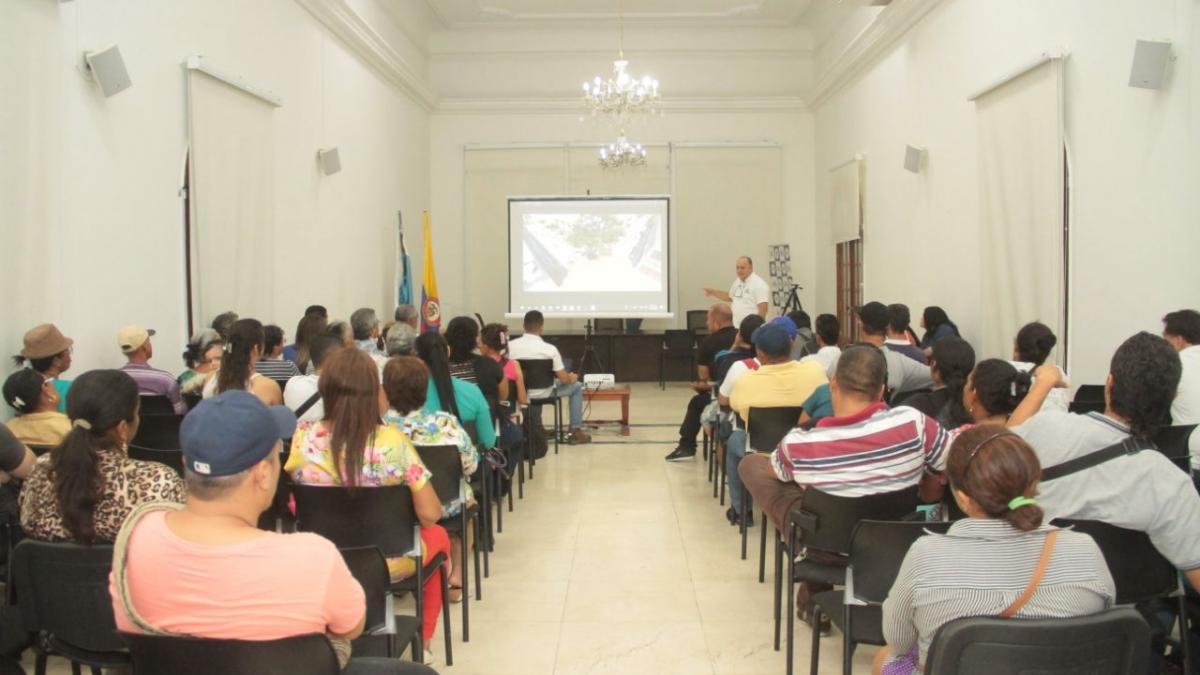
{"points": [[345, 23], [892, 23], [560, 106], [469, 14]]}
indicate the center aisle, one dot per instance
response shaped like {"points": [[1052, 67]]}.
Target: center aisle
{"points": [[619, 562]]}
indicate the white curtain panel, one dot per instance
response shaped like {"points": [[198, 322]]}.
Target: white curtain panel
{"points": [[232, 200], [1021, 206], [846, 211]]}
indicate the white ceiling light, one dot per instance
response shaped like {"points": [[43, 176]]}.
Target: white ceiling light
{"points": [[618, 97], [622, 154]]}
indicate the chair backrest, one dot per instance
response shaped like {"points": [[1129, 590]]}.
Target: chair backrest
{"points": [[367, 516], [1173, 442], [171, 458], [767, 426], [1113, 642], [159, 432], [445, 463], [877, 548], [300, 655], [1088, 398], [40, 450], [1138, 569], [609, 325], [62, 590], [192, 400], [538, 373], [697, 319], [679, 343], [155, 405], [370, 569], [827, 521]]}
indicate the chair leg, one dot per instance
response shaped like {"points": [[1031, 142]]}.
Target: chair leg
{"points": [[446, 615], [39, 665], [778, 582], [419, 599], [762, 548], [791, 602], [557, 423], [75, 669], [466, 576], [815, 658], [747, 508], [97, 671], [1184, 636], [847, 641], [721, 469], [478, 580]]}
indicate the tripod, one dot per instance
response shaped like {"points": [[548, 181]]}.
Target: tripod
{"points": [[793, 302], [589, 355]]}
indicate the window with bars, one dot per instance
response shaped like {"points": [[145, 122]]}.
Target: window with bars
{"points": [[849, 287]]}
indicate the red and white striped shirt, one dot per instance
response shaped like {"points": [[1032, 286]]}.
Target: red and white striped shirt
{"points": [[878, 450]]}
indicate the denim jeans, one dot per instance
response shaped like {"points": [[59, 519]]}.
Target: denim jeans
{"points": [[735, 451], [574, 393]]}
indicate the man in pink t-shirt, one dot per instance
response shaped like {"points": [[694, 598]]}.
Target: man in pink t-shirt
{"points": [[208, 571]]}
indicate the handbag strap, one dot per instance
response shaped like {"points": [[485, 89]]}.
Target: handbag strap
{"points": [[310, 402], [1038, 572], [120, 566], [1128, 446]]}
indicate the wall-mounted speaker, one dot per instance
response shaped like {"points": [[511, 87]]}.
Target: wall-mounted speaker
{"points": [[330, 161], [914, 158], [107, 68], [1150, 61]]}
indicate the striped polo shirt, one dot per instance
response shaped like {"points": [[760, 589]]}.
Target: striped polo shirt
{"points": [[154, 382], [878, 450], [979, 567], [280, 370]]}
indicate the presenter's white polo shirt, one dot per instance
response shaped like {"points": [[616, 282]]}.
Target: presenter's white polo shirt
{"points": [[745, 295]]}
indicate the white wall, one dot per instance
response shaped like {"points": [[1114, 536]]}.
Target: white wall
{"points": [[1133, 158], [90, 214]]}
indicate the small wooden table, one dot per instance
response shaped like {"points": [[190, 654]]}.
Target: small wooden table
{"points": [[619, 393]]}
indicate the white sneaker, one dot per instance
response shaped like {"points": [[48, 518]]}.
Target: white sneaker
{"points": [[428, 659]]}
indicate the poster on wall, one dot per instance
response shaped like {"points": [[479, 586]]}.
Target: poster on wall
{"points": [[780, 257]]}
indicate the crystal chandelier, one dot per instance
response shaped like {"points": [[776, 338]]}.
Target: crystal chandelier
{"points": [[621, 94], [622, 154]]}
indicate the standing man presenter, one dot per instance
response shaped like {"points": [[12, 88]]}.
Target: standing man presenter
{"points": [[748, 295]]}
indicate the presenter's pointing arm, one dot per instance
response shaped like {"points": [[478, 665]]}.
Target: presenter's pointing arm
{"points": [[723, 296]]}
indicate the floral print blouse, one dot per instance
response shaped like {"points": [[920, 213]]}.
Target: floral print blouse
{"points": [[439, 428], [390, 459]]}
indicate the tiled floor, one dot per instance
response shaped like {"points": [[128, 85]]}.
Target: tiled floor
{"points": [[618, 562]]}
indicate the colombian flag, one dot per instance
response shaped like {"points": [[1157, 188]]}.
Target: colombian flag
{"points": [[431, 310]]}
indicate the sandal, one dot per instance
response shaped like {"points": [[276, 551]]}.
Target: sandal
{"points": [[454, 594]]}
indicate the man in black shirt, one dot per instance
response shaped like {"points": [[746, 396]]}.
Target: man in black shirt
{"points": [[720, 338]]}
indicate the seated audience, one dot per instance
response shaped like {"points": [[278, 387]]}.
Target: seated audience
{"points": [[305, 332], [1031, 348], [401, 340], [135, 344], [223, 322], [203, 358], [450, 394], [243, 348], [720, 336], [778, 381], [230, 580], [1182, 330], [408, 314], [950, 367], [35, 400], [828, 331], [994, 391], [903, 374], [493, 343], [16, 460], [82, 490], [302, 395], [806, 340], [817, 407], [365, 326], [341, 329], [352, 447], [841, 455], [48, 352], [986, 562], [272, 364], [462, 335], [739, 352], [937, 326], [1141, 491], [898, 332], [406, 382], [532, 346]]}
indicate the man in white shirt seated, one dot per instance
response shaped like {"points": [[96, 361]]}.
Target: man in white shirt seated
{"points": [[828, 330], [532, 346], [749, 293], [301, 395], [1182, 330]]}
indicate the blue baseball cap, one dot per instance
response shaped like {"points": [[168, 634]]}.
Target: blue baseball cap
{"points": [[230, 433], [787, 324], [772, 340]]}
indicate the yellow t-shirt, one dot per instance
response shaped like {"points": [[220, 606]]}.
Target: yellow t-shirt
{"points": [[781, 384], [44, 428]]}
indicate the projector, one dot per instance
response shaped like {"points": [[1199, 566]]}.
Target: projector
{"points": [[599, 381]]}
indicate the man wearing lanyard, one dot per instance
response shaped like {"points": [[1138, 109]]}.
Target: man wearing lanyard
{"points": [[749, 293]]}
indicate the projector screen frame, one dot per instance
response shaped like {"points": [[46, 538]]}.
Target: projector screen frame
{"points": [[669, 314]]}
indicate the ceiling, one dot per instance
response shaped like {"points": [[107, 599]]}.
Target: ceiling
{"points": [[454, 14]]}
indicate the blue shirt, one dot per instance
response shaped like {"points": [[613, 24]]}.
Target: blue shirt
{"points": [[61, 386], [472, 407]]}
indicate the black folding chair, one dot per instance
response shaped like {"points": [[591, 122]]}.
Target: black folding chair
{"points": [[39, 450], [1173, 443], [697, 319], [370, 569], [539, 374], [62, 594], [1140, 572], [384, 517], [300, 655], [824, 522], [155, 405], [764, 430], [1088, 398], [678, 345], [157, 438], [877, 548], [450, 484], [1113, 642], [171, 458]]}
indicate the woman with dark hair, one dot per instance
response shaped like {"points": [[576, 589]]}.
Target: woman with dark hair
{"points": [[406, 383], [242, 350], [462, 335], [307, 330], [452, 395], [35, 401], [203, 358], [950, 367], [48, 352], [1031, 348], [82, 490], [937, 326], [994, 390], [493, 344], [1001, 551], [352, 447]]}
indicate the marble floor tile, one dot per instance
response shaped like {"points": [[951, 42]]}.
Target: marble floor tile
{"points": [[647, 648]]}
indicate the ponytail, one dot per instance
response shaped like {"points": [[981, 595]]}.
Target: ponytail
{"points": [[954, 359], [236, 366], [431, 347], [999, 471], [999, 386]]}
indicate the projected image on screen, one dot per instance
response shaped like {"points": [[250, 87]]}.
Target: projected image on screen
{"points": [[604, 256]]}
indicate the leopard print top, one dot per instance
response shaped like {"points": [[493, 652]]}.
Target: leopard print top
{"points": [[125, 484]]}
